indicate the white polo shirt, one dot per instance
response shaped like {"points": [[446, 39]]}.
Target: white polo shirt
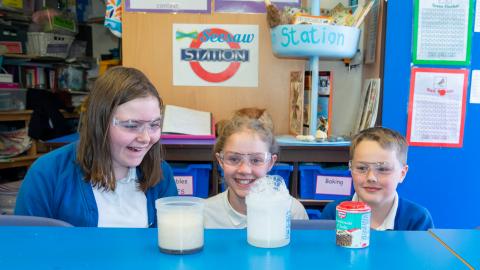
{"points": [[124, 207], [389, 222]]}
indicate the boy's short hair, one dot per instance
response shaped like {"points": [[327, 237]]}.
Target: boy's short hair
{"points": [[387, 138]]}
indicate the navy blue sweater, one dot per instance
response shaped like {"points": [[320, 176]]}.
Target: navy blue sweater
{"points": [[410, 216]]}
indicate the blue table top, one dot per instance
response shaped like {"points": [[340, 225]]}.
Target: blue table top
{"points": [[466, 243], [94, 248]]}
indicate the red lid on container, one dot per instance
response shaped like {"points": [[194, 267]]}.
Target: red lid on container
{"points": [[349, 205]]}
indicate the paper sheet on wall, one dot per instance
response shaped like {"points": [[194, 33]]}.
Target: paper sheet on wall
{"points": [[442, 32], [167, 6], [477, 17], [475, 87], [437, 107]]}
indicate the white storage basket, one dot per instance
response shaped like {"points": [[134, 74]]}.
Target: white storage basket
{"points": [[48, 44]]}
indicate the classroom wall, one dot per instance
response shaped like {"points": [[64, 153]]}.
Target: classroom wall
{"points": [[445, 180], [147, 45]]}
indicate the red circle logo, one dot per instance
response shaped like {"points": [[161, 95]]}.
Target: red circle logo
{"points": [[210, 76]]}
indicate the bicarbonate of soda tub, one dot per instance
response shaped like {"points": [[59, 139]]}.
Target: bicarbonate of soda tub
{"points": [[268, 213], [353, 224]]}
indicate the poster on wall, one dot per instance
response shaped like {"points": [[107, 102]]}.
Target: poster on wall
{"points": [[166, 6], [477, 17], [442, 32], [215, 55], [250, 6], [475, 87], [436, 107]]}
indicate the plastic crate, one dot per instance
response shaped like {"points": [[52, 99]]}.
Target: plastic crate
{"points": [[320, 182], [192, 179], [282, 169], [48, 44], [12, 99]]}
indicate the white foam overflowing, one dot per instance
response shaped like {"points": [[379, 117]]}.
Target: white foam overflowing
{"points": [[270, 188]]}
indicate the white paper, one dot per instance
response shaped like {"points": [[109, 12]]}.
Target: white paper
{"points": [[437, 108], [200, 5], [333, 185], [475, 87], [477, 17], [182, 120], [443, 30], [215, 62]]}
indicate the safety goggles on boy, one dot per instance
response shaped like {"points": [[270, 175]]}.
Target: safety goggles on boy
{"points": [[254, 159], [378, 168], [138, 126]]}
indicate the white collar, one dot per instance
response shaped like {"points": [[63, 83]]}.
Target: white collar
{"points": [[131, 176], [235, 217], [389, 221]]}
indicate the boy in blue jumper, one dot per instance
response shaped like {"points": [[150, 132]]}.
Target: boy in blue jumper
{"points": [[378, 164]]}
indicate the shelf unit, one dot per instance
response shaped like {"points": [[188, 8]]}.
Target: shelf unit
{"points": [[314, 42], [37, 148], [30, 156]]}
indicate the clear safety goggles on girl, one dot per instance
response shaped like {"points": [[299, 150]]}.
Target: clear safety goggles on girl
{"points": [[138, 126], [253, 159]]}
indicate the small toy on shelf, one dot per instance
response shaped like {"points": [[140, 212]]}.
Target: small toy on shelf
{"points": [[274, 16]]}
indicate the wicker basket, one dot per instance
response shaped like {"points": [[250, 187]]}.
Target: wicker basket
{"points": [[48, 44]]}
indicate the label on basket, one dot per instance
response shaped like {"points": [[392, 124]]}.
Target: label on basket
{"points": [[64, 23], [333, 185], [57, 48], [184, 184]]}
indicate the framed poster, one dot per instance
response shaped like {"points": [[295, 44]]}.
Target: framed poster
{"points": [[442, 32], [436, 107]]}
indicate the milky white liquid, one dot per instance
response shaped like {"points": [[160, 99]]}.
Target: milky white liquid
{"points": [[268, 222], [180, 230]]}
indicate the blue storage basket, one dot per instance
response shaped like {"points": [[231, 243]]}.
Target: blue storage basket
{"points": [[308, 180], [282, 169], [192, 179]]}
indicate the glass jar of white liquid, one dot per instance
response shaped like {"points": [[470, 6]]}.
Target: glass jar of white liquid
{"points": [[180, 224]]}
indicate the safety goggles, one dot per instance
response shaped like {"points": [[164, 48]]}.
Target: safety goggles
{"points": [[378, 168], [138, 126], [253, 159]]}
